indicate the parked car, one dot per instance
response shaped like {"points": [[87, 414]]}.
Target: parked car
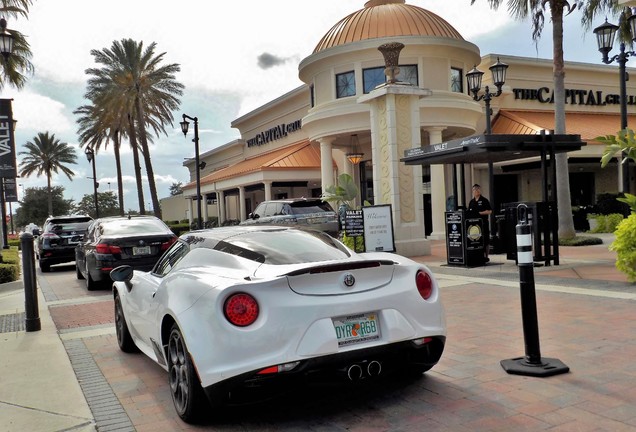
{"points": [[312, 213], [240, 309], [56, 244], [137, 241]]}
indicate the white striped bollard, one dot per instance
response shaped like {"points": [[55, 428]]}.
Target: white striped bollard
{"points": [[532, 364]]}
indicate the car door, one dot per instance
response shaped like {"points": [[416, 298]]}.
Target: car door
{"points": [[142, 300], [83, 246]]}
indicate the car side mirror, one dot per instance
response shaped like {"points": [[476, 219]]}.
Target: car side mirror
{"points": [[122, 273]]}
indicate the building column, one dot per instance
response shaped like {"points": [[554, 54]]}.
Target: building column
{"points": [[221, 202], [326, 162], [438, 188], [190, 210], [205, 208], [395, 128], [268, 190], [242, 211]]}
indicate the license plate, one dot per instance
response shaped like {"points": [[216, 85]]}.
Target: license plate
{"points": [[354, 329], [141, 250]]}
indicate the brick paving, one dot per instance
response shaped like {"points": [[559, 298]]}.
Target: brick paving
{"points": [[591, 329]]}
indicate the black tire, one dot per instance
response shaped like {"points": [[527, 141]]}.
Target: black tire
{"points": [[91, 285], [45, 267], [124, 339], [185, 388], [78, 273]]}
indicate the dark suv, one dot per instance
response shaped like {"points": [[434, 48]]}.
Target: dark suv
{"points": [[303, 212], [56, 244]]}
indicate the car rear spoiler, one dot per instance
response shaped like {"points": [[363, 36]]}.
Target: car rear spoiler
{"points": [[351, 265]]}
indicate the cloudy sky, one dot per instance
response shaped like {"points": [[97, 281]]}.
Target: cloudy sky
{"points": [[234, 56]]}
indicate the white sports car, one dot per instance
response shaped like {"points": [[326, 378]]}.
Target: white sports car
{"points": [[228, 311]]}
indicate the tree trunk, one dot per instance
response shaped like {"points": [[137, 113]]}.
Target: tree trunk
{"points": [[146, 153], [48, 188], [566, 221], [120, 186], [135, 149]]}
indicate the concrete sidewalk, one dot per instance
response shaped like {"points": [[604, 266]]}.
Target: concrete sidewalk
{"points": [[39, 390]]}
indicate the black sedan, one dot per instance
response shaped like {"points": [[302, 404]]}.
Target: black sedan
{"points": [[137, 241]]}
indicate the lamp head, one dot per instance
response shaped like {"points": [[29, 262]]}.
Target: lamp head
{"points": [[605, 38], [6, 40], [498, 71], [90, 154], [474, 80], [184, 126]]}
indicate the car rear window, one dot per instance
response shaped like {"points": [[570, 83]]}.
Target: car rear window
{"points": [[68, 225], [284, 247], [133, 226], [301, 207]]}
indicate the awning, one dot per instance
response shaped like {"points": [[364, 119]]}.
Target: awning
{"points": [[587, 125], [492, 148], [300, 156]]}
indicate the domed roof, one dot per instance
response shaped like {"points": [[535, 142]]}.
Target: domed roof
{"points": [[386, 18]]}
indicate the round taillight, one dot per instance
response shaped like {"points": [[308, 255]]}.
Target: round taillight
{"points": [[424, 284], [241, 309]]}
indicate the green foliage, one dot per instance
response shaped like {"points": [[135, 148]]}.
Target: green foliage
{"points": [[630, 200], [179, 228], [176, 188], [33, 210], [344, 192], [9, 265], [623, 144], [354, 243], [625, 247], [605, 223], [580, 241], [107, 202]]}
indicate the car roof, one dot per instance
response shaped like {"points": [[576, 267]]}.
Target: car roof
{"points": [[68, 217], [129, 217], [294, 200]]}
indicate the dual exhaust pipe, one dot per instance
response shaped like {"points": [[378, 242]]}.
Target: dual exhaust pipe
{"points": [[358, 371]]}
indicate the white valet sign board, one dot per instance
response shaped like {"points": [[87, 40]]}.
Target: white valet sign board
{"points": [[378, 228]]}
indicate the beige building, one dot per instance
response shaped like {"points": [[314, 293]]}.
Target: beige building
{"points": [[297, 144]]}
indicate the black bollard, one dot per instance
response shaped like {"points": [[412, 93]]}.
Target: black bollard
{"points": [[532, 364], [32, 312]]}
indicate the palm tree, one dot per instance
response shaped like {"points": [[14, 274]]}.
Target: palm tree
{"points": [[134, 77], [18, 64], [45, 155], [521, 9], [99, 125]]}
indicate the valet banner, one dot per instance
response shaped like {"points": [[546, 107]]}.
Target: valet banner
{"points": [[7, 141]]}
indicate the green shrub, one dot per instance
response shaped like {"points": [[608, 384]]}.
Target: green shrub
{"points": [[605, 223], [9, 273], [580, 241], [625, 247], [10, 265], [179, 228]]}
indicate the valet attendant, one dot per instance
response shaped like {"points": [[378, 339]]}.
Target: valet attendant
{"points": [[480, 204]]}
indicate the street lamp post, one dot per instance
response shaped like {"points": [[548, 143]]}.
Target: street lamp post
{"points": [[90, 155], [6, 48], [474, 77], [605, 34], [184, 128]]}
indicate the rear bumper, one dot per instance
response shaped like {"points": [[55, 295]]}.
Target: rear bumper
{"points": [[394, 358], [56, 256], [102, 268]]}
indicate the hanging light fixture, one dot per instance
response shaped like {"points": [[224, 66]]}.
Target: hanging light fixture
{"points": [[355, 156]]}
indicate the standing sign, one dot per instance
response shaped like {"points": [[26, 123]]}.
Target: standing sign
{"points": [[455, 251], [7, 143], [378, 228], [354, 223], [10, 190]]}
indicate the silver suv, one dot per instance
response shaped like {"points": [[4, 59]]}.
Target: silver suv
{"points": [[303, 212]]}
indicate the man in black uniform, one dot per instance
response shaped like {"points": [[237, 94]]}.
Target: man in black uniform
{"points": [[480, 205]]}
